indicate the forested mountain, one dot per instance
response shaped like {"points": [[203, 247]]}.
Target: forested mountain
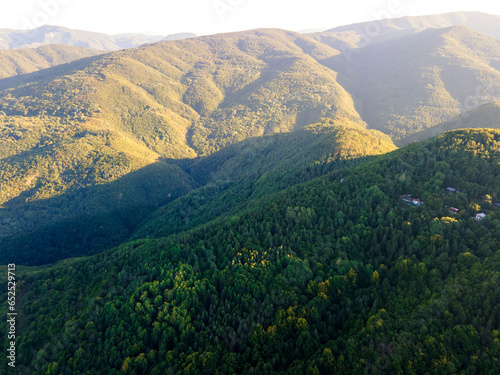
{"points": [[221, 88], [22, 61], [87, 207], [49, 34], [418, 81], [334, 275], [73, 133], [239, 207], [241, 173]]}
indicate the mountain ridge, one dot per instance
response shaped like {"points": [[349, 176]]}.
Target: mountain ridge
{"points": [[50, 34], [485, 116], [373, 32], [226, 205], [159, 106], [22, 61], [421, 79]]}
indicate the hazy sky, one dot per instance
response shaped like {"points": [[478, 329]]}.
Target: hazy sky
{"points": [[213, 16]]}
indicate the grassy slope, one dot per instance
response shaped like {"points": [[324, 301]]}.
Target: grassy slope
{"points": [[22, 61]]}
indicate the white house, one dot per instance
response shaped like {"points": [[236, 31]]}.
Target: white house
{"points": [[480, 216]]}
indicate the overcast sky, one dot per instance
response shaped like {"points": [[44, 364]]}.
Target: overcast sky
{"points": [[215, 16]]}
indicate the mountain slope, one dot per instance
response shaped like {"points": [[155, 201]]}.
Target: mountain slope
{"points": [[48, 34], [221, 88], [87, 194], [22, 61], [331, 276], [68, 190], [129, 109], [242, 173], [170, 102], [417, 81], [360, 35], [485, 116]]}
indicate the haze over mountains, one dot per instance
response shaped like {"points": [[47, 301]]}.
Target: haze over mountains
{"points": [[22, 61], [422, 79], [49, 34], [360, 34]]}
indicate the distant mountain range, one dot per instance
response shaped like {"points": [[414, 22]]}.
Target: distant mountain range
{"points": [[355, 35], [47, 34], [361, 35]]}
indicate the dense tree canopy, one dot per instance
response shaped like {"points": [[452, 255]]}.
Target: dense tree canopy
{"points": [[334, 275]]}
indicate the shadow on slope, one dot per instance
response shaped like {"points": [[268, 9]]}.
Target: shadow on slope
{"points": [[87, 220], [49, 73], [256, 167]]}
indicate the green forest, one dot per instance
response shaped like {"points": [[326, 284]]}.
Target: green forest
{"points": [[334, 275]]}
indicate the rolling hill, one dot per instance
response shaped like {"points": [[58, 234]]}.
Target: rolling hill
{"points": [[22, 61], [333, 275]]}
